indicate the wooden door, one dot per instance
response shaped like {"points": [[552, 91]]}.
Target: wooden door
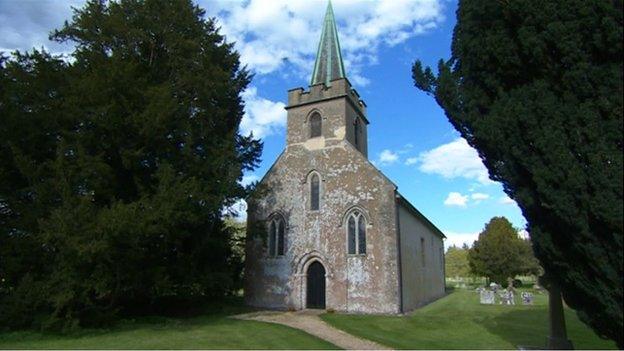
{"points": [[315, 297]]}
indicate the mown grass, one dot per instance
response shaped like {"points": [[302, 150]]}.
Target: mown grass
{"points": [[458, 321], [212, 331]]}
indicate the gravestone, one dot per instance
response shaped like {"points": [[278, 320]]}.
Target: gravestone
{"points": [[487, 297], [527, 298], [505, 297]]}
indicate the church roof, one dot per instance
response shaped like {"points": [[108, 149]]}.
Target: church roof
{"points": [[328, 65]]}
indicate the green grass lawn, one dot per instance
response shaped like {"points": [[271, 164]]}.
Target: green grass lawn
{"points": [[458, 321], [206, 332]]}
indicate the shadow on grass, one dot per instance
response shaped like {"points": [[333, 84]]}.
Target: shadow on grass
{"points": [[206, 313], [528, 327], [520, 327]]}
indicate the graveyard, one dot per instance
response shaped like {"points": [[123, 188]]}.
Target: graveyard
{"points": [[460, 321]]}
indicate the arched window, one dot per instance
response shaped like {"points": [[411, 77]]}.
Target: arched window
{"points": [[315, 192], [315, 125], [272, 239], [277, 228], [356, 233]]}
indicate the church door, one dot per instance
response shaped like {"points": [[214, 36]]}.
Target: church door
{"points": [[316, 286]]}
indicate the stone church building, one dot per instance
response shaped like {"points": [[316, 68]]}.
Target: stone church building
{"points": [[336, 233]]}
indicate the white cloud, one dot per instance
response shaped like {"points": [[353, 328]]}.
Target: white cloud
{"points": [[263, 117], [456, 199], [453, 160], [411, 161], [506, 200], [248, 179], [458, 239], [271, 34], [238, 210], [478, 197], [26, 24], [387, 157], [524, 234]]}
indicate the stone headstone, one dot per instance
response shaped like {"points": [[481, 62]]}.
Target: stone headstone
{"points": [[486, 297], [504, 297], [527, 298]]}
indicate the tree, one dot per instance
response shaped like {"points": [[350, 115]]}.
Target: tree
{"points": [[115, 167], [456, 262], [536, 88], [498, 254]]}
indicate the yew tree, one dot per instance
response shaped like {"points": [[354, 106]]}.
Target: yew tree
{"points": [[536, 88], [115, 165]]}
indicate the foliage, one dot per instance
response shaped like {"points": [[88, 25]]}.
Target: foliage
{"points": [[115, 167], [536, 88], [499, 253], [456, 262], [458, 321]]}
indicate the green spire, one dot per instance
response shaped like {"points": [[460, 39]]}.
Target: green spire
{"points": [[328, 65]]}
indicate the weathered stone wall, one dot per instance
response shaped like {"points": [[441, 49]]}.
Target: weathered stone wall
{"points": [[421, 283], [340, 104], [354, 283]]}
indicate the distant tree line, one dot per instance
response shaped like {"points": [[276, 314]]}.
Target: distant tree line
{"points": [[115, 166], [498, 254]]}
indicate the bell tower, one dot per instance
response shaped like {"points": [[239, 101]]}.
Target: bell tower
{"points": [[331, 111]]}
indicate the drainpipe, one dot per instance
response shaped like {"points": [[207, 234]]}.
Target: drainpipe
{"points": [[399, 268]]}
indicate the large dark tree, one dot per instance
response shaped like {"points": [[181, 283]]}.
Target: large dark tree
{"points": [[536, 87], [115, 166]]}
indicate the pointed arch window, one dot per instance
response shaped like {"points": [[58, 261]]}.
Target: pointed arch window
{"points": [[316, 125], [356, 233], [276, 242], [315, 192]]}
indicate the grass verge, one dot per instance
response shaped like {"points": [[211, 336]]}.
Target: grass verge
{"points": [[458, 321]]}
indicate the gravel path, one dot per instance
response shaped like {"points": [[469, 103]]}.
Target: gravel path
{"points": [[309, 322]]}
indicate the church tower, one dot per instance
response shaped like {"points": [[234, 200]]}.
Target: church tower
{"points": [[331, 111]]}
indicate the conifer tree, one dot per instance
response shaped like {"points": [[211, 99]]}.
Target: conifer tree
{"points": [[536, 88], [498, 254], [115, 166]]}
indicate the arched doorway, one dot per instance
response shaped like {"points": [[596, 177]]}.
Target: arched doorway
{"points": [[315, 296]]}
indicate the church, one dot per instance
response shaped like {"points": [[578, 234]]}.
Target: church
{"points": [[335, 232]]}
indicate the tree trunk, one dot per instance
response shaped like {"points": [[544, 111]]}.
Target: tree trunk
{"points": [[558, 338]]}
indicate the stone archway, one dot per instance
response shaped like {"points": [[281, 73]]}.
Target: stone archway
{"points": [[302, 266]]}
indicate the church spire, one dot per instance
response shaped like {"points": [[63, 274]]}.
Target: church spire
{"points": [[328, 65]]}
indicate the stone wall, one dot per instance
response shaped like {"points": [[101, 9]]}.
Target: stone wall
{"points": [[422, 280], [367, 283]]}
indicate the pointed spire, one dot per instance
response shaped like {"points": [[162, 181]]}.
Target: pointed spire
{"points": [[328, 65]]}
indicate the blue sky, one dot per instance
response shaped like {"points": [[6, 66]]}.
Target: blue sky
{"points": [[410, 139]]}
